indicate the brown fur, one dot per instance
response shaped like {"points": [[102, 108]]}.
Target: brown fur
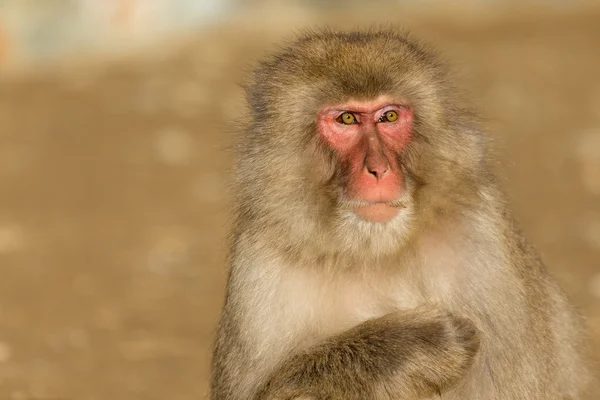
{"points": [[448, 298]]}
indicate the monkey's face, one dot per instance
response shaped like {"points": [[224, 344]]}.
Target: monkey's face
{"points": [[355, 139], [368, 138]]}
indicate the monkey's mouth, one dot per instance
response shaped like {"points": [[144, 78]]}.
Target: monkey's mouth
{"points": [[379, 211], [351, 204]]}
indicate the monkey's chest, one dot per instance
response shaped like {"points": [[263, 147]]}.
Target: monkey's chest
{"points": [[327, 307]]}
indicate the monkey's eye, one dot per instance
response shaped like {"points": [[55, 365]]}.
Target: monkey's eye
{"points": [[346, 118], [389, 116]]}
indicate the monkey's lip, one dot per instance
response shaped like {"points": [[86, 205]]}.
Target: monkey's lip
{"points": [[378, 211], [353, 203]]}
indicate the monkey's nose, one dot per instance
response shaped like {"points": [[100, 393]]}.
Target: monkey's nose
{"points": [[378, 169]]}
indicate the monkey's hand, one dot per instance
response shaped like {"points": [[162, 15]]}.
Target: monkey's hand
{"points": [[406, 354]]}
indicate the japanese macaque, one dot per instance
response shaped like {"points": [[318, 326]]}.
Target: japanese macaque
{"points": [[373, 253]]}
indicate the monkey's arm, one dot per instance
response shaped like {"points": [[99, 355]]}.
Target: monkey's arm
{"points": [[406, 354]]}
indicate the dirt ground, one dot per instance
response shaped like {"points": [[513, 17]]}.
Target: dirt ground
{"points": [[114, 201]]}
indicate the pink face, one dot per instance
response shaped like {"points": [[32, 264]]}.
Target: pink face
{"points": [[368, 136]]}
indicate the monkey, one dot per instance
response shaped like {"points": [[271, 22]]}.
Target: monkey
{"points": [[373, 251]]}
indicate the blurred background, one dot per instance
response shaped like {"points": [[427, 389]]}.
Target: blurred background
{"points": [[115, 122]]}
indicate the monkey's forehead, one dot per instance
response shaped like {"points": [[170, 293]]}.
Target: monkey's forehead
{"points": [[324, 67], [349, 64], [325, 51]]}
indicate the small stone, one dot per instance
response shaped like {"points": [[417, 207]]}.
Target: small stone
{"points": [[174, 146], [79, 338], [5, 352], [11, 239], [169, 250], [140, 349], [590, 230], [594, 286], [107, 319], [588, 157], [595, 101]]}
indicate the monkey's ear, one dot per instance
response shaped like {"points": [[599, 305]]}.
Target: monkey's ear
{"points": [[256, 101]]}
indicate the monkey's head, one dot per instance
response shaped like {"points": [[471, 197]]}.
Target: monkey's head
{"points": [[355, 140]]}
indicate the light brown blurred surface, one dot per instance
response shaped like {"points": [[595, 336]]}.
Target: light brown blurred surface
{"points": [[113, 195]]}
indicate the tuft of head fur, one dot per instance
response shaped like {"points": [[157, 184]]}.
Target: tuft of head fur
{"points": [[289, 180]]}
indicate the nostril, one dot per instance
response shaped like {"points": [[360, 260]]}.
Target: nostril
{"points": [[376, 165], [378, 171]]}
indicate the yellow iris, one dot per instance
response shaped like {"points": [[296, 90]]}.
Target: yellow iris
{"points": [[390, 116], [347, 118]]}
